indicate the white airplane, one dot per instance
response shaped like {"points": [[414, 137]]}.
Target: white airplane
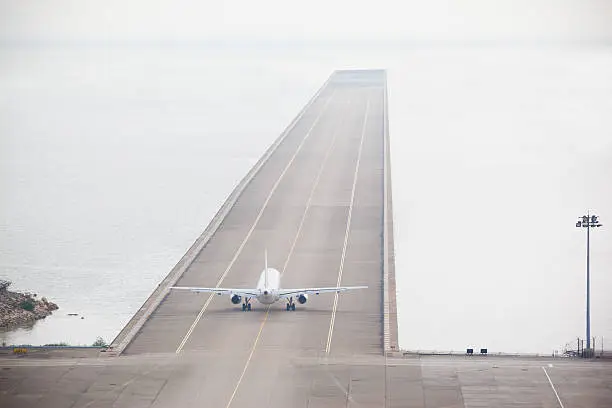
{"points": [[268, 290]]}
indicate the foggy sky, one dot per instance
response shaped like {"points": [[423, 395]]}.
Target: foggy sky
{"points": [[438, 20]]}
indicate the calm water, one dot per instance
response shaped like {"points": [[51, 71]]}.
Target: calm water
{"points": [[113, 160]]}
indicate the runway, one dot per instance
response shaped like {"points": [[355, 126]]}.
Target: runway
{"points": [[316, 205]]}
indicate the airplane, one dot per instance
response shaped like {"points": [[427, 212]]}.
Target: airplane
{"points": [[268, 290]]}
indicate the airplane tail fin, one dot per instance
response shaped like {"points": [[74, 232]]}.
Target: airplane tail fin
{"points": [[266, 266]]}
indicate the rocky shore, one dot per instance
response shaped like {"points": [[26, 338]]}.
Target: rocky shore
{"points": [[20, 308]]}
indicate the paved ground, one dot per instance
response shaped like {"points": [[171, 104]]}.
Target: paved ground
{"points": [[326, 175], [317, 205], [200, 379]]}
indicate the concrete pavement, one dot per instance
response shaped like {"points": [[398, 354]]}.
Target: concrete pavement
{"points": [[317, 206], [206, 379]]}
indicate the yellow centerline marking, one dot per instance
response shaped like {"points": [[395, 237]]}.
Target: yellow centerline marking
{"points": [[246, 238], [309, 202], [297, 235], [346, 233], [249, 359]]}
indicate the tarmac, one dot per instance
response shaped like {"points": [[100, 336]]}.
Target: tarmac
{"points": [[319, 201], [281, 378], [316, 206]]}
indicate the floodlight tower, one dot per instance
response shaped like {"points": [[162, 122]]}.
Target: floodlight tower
{"points": [[588, 221]]}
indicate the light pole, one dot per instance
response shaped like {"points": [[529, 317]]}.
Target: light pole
{"points": [[588, 221]]}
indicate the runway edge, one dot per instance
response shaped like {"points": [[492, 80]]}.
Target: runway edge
{"points": [[390, 334], [127, 334]]}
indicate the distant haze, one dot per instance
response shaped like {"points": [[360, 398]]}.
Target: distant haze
{"points": [[115, 20]]}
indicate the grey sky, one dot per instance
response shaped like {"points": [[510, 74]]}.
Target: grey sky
{"points": [[99, 20]]}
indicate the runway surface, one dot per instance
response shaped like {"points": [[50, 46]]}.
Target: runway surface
{"points": [[316, 205], [203, 379]]}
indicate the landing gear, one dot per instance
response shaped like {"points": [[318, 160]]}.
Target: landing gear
{"points": [[246, 306], [290, 305]]}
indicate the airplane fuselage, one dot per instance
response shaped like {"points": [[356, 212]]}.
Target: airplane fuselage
{"points": [[268, 287]]}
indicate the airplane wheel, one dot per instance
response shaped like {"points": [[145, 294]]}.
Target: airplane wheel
{"points": [[293, 307], [249, 307]]}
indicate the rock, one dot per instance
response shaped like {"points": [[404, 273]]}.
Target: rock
{"points": [[20, 308]]}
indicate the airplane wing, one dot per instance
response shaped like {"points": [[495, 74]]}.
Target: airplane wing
{"points": [[286, 293], [220, 291]]}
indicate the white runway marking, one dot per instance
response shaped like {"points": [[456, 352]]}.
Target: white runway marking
{"points": [[553, 388], [246, 238], [346, 233], [308, 204]]}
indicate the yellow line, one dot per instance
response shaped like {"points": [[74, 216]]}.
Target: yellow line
{"points": [[346, 233], [308, 203], [197, 319], [249, 359]]}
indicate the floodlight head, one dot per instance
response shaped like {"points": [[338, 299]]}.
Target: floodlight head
{"points": [[578, 224], [594, 219], [585, 219]]}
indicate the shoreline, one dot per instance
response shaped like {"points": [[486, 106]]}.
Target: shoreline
{"points": [[20, 308]]}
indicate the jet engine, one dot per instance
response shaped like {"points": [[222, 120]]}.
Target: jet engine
{"points": [[236, 299], [302, 299]]}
